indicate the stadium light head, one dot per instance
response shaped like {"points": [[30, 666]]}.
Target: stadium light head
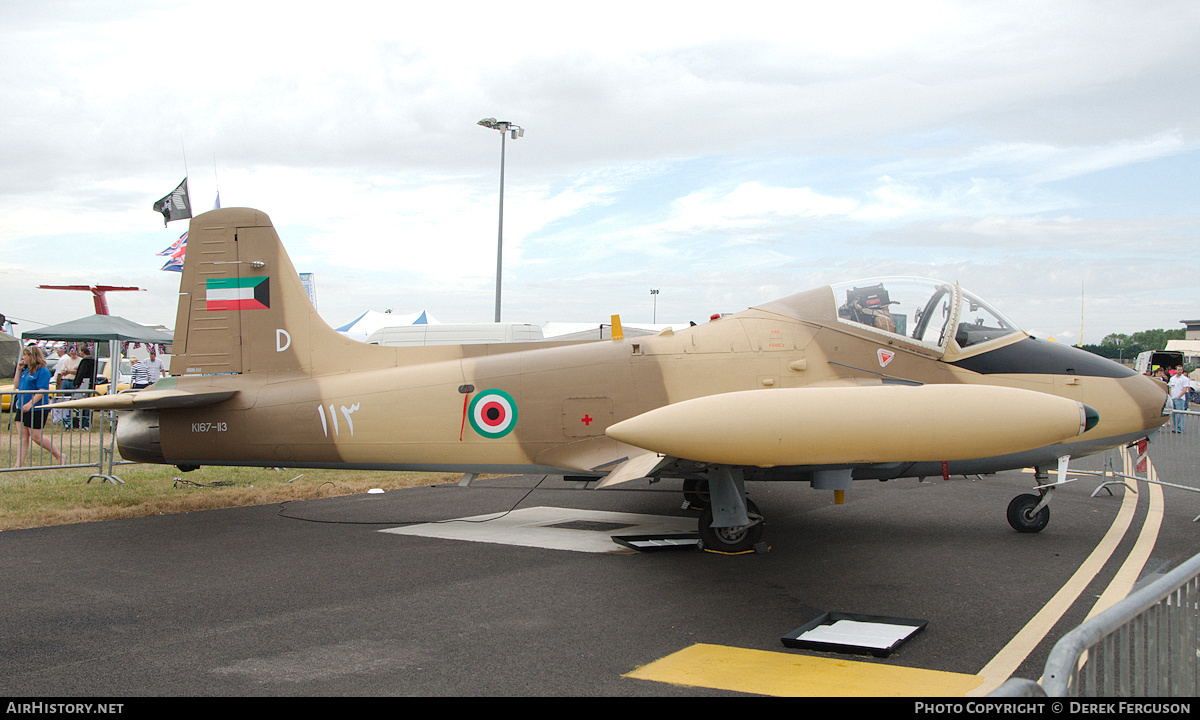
{"points": [[504, 126]]}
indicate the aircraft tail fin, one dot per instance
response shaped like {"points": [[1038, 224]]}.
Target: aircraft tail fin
{"points": [[242, 306]]}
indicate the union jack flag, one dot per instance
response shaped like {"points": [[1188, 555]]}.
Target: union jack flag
{"points": [[176, 254], [177, 246]]}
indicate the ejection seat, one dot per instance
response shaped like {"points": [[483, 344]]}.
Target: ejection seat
{"points": [[869, 306]]}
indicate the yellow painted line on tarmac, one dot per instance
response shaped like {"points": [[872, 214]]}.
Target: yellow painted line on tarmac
{"points": [[1132, 568], [761, 672], [1010, 657]]}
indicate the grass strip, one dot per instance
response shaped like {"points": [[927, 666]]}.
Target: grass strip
{"points": [[43, 497]]}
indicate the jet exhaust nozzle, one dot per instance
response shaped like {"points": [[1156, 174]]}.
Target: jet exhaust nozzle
{"points": [[138, 437]]}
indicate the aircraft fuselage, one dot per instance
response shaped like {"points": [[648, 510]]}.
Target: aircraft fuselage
{"points": [[884, 378], [416, 416]]}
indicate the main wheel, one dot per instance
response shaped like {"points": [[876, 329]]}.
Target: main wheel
{"points": [[1021, 517], [734, 539]]}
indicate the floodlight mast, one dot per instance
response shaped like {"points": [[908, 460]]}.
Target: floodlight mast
{"points": [[506, 128]]}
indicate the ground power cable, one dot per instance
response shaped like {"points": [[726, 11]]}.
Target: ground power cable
{"points": [[283, 513]]}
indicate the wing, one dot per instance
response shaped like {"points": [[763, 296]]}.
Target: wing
{"points": [[618, 461], [635, 468]]}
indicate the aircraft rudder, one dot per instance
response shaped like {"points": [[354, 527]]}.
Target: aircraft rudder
{"points": [[242, 307]]}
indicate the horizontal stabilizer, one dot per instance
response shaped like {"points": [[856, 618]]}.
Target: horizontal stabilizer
{"points": [[856, 425], [149, 399]]}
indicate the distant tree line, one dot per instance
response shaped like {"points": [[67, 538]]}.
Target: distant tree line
{"points": [[1120, 346]]}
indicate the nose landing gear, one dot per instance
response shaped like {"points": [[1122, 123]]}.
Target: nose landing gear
{"points": [[1030, 513]]}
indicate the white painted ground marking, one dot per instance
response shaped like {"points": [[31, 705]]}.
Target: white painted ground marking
{"points": [[535, 527]]}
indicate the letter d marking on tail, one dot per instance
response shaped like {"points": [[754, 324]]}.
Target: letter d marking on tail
{"points": [[283, 340]]}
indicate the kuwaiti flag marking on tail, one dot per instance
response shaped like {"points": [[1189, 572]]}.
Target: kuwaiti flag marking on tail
{"points": [[493, 413], [237, 294]]}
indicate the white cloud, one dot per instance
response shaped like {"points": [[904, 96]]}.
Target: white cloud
{"points": [[748, 205], [729, 151]]}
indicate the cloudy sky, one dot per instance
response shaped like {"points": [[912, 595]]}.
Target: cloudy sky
{"points": [[1045, 155]]}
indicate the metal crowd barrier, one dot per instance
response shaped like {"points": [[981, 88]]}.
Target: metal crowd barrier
{"points": [[1176, 456], [1145, 645], [86, 438]]}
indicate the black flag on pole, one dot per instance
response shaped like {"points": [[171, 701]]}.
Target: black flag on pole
{"points": [[175, 206]]}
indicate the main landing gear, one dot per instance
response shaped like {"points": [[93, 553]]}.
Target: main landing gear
{"points": [[729, 521], [737, 539]]}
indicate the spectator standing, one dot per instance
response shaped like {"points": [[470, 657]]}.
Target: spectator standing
{"points": [[85, 373], [141, 375], [64, 371], [147, 372], [1177, 389], [32, 374], [85, 379], [154, 366]]}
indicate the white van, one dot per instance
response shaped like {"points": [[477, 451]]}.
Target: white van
{"points": [[1152, 359], [455, 334]]}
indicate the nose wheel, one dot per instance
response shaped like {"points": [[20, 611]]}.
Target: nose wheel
{"points": [[1028, 513]]}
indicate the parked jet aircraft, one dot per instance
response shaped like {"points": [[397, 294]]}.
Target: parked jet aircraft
{"points": [[99, 293], [878, 379]]}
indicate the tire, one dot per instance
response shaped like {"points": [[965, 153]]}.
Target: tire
{"points": [[731, 540], [1021, 520]]}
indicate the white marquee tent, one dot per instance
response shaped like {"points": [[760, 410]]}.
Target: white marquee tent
{"points": [[361, 327]]}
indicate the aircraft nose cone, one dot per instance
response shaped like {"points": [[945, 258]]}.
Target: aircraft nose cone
{"points": [[1151, 397]]}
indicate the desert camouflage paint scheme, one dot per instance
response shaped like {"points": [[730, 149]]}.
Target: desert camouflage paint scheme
{"points": [[878, 379]]}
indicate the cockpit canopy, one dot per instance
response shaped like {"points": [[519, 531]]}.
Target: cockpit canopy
{"points": [[928, 313]]}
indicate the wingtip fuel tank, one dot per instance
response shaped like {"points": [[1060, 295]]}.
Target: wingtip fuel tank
{"points": [[856, 425]]}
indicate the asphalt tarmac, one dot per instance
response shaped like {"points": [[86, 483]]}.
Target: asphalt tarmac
{"points": [[312, 598]]}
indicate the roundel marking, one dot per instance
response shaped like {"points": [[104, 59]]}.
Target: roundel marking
{"points": [[493, 413]]}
